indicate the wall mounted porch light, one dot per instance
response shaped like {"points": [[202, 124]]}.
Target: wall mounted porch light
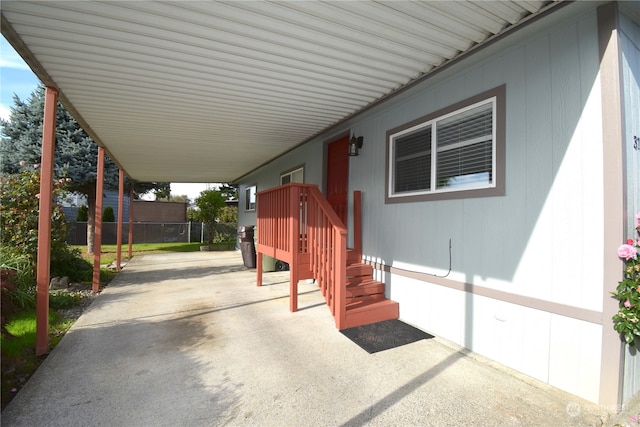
{"points": [[354, 145]]}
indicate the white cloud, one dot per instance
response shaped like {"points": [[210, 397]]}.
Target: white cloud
{"points": [[5, 113], [9, 58], [191, 190], [12, 61]]}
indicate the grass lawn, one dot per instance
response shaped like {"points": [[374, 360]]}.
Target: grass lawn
{"points": [[108, 253], [18, 352]]}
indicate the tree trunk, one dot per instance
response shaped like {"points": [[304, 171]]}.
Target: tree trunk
{"points": [[91, 220]]}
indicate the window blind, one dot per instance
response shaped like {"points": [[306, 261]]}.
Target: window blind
{"points": [[465, 148], [413, 161]]}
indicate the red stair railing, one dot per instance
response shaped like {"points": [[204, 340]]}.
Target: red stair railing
{"points": [[297, 225]]}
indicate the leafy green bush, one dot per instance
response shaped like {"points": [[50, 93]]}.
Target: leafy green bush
{"points": [[107, 215], [627, 320], [209, 203], [20, 198]]}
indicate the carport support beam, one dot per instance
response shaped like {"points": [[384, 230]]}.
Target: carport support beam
{"points": [[120, 208], [44, 220], [130, 221], [97, 243]]}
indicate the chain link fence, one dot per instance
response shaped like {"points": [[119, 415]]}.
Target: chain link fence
{"points": [[153, 232]]}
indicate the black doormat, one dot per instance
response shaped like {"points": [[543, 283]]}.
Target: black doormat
{"points": [[384, 335]]}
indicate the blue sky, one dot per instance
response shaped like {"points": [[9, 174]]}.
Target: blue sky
{"points": [[17, 78]]}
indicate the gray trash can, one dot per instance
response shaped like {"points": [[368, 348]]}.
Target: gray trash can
{"points": [[245, 233], [247, 246]]}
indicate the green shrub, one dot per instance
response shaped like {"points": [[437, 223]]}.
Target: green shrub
{"points": [[63, 300], [18, 281], [83, 214], [20, 198], [107, 215], [68, 262]]}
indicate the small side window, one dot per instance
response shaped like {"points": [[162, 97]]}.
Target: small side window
{"points": [[295, 175], [250, 198]]}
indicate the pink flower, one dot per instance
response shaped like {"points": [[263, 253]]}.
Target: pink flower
{"points": [[627, 252], [627, 304], [36, 165], [22, 163], [38, 196], [630, 242], [68, 180]]}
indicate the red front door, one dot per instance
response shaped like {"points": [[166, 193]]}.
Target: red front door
{"points": [[338, 177]]}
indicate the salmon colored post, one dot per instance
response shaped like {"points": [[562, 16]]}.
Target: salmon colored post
{"points": [[357, 224], [120, 208], [44, 220], [97, 244], [258, 269], [130, 221], [294, 236]]}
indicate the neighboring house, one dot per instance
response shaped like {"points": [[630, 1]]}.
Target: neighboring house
{"points": [[495, 192], [155, 221], [71, 205], [143, 210]]}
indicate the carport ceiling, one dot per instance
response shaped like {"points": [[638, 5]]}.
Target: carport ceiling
{"points": [[208, 91]]}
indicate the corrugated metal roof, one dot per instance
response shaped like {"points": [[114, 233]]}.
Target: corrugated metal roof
{"points": [[207, 91]]}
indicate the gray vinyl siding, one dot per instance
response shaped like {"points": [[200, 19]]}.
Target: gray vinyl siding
{"points": [[630, 47], [548, 81]]}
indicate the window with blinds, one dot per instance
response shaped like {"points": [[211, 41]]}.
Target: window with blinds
{"points": [[412, 170], [451, 151], [465, 149]]}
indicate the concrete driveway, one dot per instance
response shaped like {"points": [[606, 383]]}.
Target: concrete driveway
{"points": [[187, 339]]}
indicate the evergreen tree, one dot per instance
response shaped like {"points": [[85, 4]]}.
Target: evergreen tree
{"points": [[83, 214], [75, 152], [228, 191], [107, 215]]}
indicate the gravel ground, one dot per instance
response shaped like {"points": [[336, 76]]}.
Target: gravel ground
{"points": [[86, 298]]}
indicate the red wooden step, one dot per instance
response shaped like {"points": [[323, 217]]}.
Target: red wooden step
{"points": [[363, 286], [353, 257], [372, 311], [359, 269], [363, 301]]}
